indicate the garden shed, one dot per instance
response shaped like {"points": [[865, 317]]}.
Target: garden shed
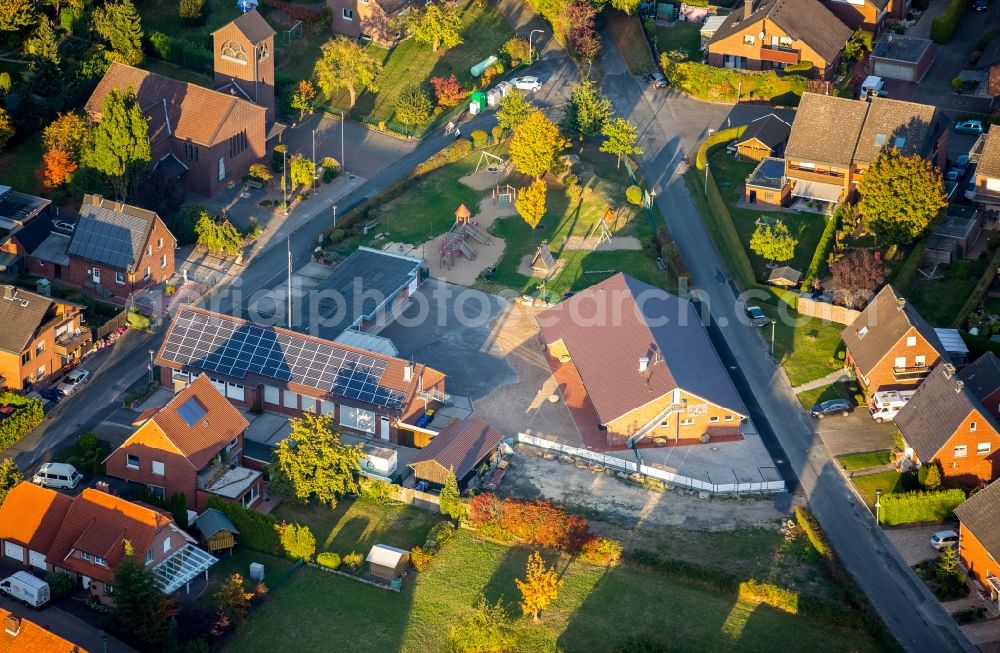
{"points": [[462, 447], [387, 562], [785, 277], [216, 530]]}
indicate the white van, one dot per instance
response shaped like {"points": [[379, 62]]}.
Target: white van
{"points": [[57, 475], [887, 403], [24, 587], [873, 85]]}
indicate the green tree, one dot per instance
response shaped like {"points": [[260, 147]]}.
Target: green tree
{"points": [[303, 97], [119, 144], [513, 111], [312, 463], [437, 26], [43, 45], [218, 237], [539, 588], [518, 49], [487, 629], [119, 24], [932, 479], [900, 196], [69, 132], [625, 6], [140, 608], [413, 107], [5, 82], [773, 242], [6, 128], [15, 15], [947, 563], [10, 476], [178, 509], [620, 139], [451, 499], [530, 202], [346, 65], [301, 171], [233, 599], [191, 10], [535, 144], [587, 112], [297, 541]]}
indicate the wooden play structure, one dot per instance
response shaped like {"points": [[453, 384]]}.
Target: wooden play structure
{"points": [[455, 243], [494, 163], [543, 265], [504, 195]]}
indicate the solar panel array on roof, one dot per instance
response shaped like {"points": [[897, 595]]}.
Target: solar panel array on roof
{"points": [[234, 349]]}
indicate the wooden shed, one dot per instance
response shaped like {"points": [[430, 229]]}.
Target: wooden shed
{"points": [[764, 137], [387, 562], [785, 277], [216, 531], [461, 447]]}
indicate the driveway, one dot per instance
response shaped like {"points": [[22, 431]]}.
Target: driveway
{"points": [[855, 433], [914, 542]]}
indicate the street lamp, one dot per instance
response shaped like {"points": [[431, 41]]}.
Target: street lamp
{"points": [[314, 159], [878, 505], [772, 336], [334, 207], [151, 353], [104, 641], [530, 34]]}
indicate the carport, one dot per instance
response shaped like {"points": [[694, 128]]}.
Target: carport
{"points": [[817, 190]]}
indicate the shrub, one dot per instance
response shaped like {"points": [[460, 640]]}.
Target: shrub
{"points": [[534, 522], [191, 11], [328, 559], [447, 90], [497, 133], [815, 269], [634, 195], [420, 557], [602, 551], [378, 490], [804, 68], [711, 83], [441, 533], [297, 541], [914, 507], [718, 138], [278, 157], [329, 163], [337, 235], [943, 26], [258, 532], [179, 51], [812, 532], [27, 415], [479, 138], [60, 585], [454, 152], [353, 561]]}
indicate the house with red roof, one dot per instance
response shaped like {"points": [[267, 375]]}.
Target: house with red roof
{"points": [[192, 446], [21, 635], [645, 363], [86, 539]]}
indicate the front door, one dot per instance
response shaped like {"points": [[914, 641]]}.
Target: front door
{"points": [[95, 274], [86, 582], [383, 432]]}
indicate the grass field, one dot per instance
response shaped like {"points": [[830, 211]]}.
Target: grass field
{"points": [[854, 461], [889, 482], [810, 398], [941, 299], [626, 31], [591, 612], [18, 165], [806, 347], [682, 36]]}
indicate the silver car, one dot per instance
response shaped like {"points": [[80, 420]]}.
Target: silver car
{"points": [[72, 381], [527, 83]]}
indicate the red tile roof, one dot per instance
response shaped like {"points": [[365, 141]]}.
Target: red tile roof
{"points": [[29, 637], [31, 515], [461, 446]]}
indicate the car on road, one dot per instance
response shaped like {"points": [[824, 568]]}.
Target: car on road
{"points": [[831, 407], [944, 539], [27, 589], [969, 127], [970, 190], [72, 381], [981, 5], [527, 83], [50, 394], [657, 80], [756, 316]]}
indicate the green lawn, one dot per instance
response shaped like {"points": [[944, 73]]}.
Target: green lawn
{"points": [[810, 398], [161, 16], [18, 165], [889, 482], [680, 35], [357, 524], [855, 461], [806, 347], [595, 609], [627, 33], [238, 562], [941, 299]]}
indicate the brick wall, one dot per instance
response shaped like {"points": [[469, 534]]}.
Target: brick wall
{"points": [[975, 557], [973, 468], [703, 417]]}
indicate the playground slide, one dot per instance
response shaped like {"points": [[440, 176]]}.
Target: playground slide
{"points": [[478, 234], [467, 251]]}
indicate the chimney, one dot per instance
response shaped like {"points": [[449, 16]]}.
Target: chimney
{"points": [[408, 372], [12, 625], [958, 386], [949, 370], [643, 364], [747, 8], [8, 292], [901, 302]]}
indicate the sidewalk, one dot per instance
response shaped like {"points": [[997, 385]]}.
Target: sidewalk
{"points": [[832, 377]]}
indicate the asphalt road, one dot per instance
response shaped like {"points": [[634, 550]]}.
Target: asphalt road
{"points": [[670, 127]]}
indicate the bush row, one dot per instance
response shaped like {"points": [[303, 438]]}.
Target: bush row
{"points": [[914, 507], [818, 262], [943, 26], [813, 533], [718, 138], [711, 83], [179, 51], [532, 521], [258, 532], [28, 414]]}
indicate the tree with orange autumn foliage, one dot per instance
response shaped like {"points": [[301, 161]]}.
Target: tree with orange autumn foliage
{"points": [[57, 167]]}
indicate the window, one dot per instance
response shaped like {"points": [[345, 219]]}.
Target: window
{"points": [[920, 361], [39, 348], [232, 443], [785, 42], [748, 39], [119, 276], [358, 419], [149, 250], [911, 341], [327, 407], [862, 332], [272, 395], [250, 496], [729, 418], [237, 143], [158, 468], [163, 261], [290, 400], [900, 362], [347, 14], [101, 561], [159, 243], [900, 142], [310, 405], [149, 557], [687, 422], [191, 411], [983, 448], [109, 588], [84, 555], [158, 491], [713, 418], [131, 461], [961, 451], [166, 544], [148, 274], [972, 426], [807, 165], [190, 151], [235, 391], [40, 372], [25, 357], [880, 139]]}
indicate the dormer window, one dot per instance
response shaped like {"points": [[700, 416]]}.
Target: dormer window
{"points": [[85, 555], [748, 39], [862, 332], [100, 561], [880, 139], [900, 142]]}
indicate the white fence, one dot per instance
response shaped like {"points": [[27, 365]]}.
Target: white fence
{"points": [[763, 487]]}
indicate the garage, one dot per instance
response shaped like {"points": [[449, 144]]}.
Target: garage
{"points": [[15, 551], [37, 560]]}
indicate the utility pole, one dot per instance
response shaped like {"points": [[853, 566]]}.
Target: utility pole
{"points": [[772, 336], [284, 178], [530, 34], [288, 246]]}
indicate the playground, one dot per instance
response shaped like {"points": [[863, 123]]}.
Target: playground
{"points": [[467, 250]]}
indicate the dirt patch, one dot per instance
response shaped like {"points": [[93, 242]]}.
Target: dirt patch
{"points": [[485, 179], [463, 271], [615, 243]]}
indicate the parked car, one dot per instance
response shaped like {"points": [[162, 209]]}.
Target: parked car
{"points": [[51, 394], [944, 539], [528, 83], [72, 381], [887, 403], [657, 80], [831, 407], [756, 316], [969, 127], [27, 589], [873, 85], [62, 225], [961, 162], [57, 475], [981, 5]]}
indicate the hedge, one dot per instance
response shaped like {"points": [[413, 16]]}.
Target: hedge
{"points": [[944, 25], [180, 51], [27, 415], [328, 559], [907, 273], [816, 265], [977, 294], [718, 138], [813, 533], [915, 507], [258, 532], [710, 83]]}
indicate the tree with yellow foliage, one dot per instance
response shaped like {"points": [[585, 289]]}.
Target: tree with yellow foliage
{"points": [[540, 587]]}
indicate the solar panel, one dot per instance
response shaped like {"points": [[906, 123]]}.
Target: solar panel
{"points": [[216, 344]]}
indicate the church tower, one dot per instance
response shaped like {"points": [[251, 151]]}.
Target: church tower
{"points": [[244, 60]]}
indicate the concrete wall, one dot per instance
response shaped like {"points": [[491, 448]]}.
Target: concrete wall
{"points": [[825, 311]]}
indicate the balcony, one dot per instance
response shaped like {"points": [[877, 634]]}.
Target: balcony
{"points": [[70, 342], [227, 480], [910, 373], [815, 174], [779, 54]]}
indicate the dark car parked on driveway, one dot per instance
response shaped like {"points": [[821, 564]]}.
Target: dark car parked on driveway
{"points": [[831, 407]]}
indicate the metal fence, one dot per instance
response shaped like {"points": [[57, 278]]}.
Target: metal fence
{"points": [[613, 462]]}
